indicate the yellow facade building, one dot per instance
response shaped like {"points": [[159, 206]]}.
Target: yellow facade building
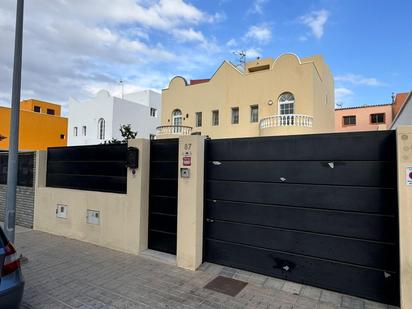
{"points": [[282, 96], [41, 126]]}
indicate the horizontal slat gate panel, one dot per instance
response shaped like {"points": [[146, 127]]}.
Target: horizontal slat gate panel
{"points": [[163, 195], [25, 169], [112, 168], [353, 173], [90, 183], [348, 224], [360, 199], [346, 278], [369, 146], [163, 204], [164, 169], [161, 241], [163, 187], [343, 249], [325, 205], [93, 168], [109, 152]]}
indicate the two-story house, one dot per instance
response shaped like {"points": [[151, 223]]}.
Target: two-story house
{"points": [[282, 96]]}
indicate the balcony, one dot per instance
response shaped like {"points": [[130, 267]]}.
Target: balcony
{"points": [[291, 120], [173, 130]]}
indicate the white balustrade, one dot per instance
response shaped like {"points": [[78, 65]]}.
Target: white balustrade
{"points": [[173, 130], [295, 120]]}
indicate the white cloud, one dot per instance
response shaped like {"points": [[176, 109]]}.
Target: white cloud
{"points": [[231, 43], [72, 47], [356, 79], [257, 7], [316, 21], [343, 95], [188, 35], [261, 34], [253, 53]]}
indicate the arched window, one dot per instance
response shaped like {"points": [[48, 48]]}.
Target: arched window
{"points": [[286, 103], [177, 120], [101, 124]]}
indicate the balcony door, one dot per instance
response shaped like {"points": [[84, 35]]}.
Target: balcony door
{"points": [[177, 120]]}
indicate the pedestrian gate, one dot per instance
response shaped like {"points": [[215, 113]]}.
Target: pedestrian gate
{"points": [[163, 195], [315, 209]]}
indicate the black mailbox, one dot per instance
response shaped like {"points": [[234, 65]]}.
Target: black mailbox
{"points": [[132, 158]]}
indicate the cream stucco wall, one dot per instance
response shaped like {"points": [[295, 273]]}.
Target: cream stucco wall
{"points": [[404, 145], [123, 217], [309, 79], [189, 251]]}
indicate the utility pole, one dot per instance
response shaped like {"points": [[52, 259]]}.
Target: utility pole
{"points": [[10, 218]]}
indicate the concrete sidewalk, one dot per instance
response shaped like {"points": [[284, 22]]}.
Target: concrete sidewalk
{"points": [[65, 273]]}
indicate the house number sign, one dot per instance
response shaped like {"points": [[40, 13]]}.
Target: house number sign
{"points": [[187, 155]]}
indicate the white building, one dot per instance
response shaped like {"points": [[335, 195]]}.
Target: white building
{"points": [[99, 119]]}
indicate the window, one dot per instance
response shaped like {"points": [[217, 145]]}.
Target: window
{"points": [[177, 120], [349, 120], [378, 118], [75, 131], [84, 131], [215, 118], [254, 113], [235, 115], [153, 112], [101, 124], [286, 103], [37, 109], [198, 119], [50, 111]]}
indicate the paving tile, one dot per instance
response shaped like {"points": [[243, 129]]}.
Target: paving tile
{"points": [[311, 292], [274, 283], [352, 302], [292, 287], [331, 297]]}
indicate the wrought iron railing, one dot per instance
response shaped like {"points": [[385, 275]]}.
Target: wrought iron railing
{"points": [[296, 120], [173, 130]]}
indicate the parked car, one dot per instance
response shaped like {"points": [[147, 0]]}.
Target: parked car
{"points": [[11, 278]]}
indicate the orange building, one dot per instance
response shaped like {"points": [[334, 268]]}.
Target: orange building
{"points": [[41, 126], [369, 117], [363, 118]]}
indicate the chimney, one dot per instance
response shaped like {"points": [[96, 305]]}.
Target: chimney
{"points": [[393, 97]]}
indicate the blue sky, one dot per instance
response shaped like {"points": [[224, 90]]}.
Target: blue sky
{"points": [[74, 48]]}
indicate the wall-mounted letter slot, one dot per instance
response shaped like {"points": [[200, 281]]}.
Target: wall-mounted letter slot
{"points": [[132, 158]]}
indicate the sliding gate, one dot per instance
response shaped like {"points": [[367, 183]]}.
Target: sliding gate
{"points": [[315, 209]]}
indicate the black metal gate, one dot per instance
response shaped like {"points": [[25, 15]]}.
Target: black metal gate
{"points": [[315, 209], [163, 195]]}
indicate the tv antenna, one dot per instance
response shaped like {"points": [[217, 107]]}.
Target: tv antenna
{"points": [[122, 83], [242, 58]]}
